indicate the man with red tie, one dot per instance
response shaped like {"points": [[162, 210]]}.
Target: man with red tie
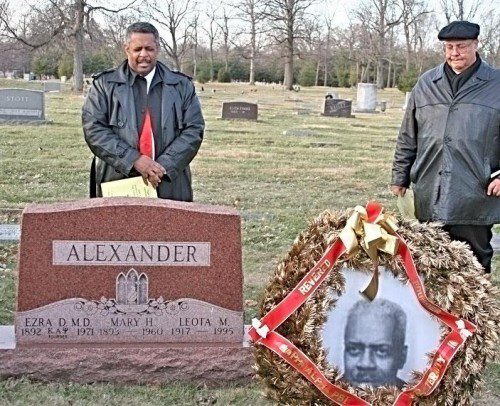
{"points": [[142, 119]]}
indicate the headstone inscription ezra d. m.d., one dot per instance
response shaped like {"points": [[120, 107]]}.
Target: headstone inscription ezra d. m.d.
{"points": [[22, 105], [125, 270], [240, 110], [337, 107]]}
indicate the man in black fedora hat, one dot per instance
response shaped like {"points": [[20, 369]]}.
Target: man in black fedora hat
{"points": [[449, 143]]}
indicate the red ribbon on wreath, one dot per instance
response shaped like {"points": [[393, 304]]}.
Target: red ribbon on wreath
{"points": [[263, 331]]}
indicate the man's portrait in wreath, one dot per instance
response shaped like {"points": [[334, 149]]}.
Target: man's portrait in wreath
{"points": [[374, 343], [378, 343]]}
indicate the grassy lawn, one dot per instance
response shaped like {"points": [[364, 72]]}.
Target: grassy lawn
{"points": [[277, 182]]}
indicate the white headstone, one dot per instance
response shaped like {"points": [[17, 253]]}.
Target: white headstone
{"points": [[63, 79], [407, 99], [366, 97]]}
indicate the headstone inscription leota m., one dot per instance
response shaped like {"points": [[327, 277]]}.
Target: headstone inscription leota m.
{"points": [[22, 105], [337, 107], [125, 270], [239, 110]]}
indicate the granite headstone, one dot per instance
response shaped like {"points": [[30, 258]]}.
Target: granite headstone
{"points": [[239, 110], [125, 270], [22, 105], [337, 107], [366, 98], [51, 86]]}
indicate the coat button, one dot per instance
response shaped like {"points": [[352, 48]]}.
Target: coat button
{"points": [[120, 123]]}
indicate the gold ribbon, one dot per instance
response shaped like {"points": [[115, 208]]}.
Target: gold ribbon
{"points": [[372, 237]]}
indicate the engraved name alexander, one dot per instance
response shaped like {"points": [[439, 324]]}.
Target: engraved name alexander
{"points": [[131, 253]]}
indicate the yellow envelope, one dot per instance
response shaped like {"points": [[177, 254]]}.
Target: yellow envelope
{"points": [[129, 187], [406, 205]]}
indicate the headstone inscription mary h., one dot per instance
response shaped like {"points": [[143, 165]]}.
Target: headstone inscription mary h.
{"points": [[127, 270], [22, 105], [239, 110]]}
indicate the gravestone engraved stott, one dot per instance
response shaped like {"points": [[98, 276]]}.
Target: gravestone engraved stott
{"points": [[22, 105], [51, 86], [124, 270], [337, 107], [239, 110]]}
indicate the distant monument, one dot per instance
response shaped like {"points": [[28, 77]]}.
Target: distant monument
{"points": [[337, 107], [366, 98], [51, 86], [239, 110], [22, 105]]}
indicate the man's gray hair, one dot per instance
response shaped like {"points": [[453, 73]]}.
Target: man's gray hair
{"points": [[144, 28], [383, 307]]}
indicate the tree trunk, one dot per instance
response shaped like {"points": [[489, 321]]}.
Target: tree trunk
{"points": [[389, 75], [78, 38], [380, 73], [288, 79], [316, 79], [252, 71]]}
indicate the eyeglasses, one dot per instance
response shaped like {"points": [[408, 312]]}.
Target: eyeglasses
{"points": [[460, 47]]}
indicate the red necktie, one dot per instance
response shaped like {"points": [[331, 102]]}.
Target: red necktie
{"points": [[146, 137]]}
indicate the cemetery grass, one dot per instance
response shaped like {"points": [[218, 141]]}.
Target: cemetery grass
{"points": [[277, 181]]}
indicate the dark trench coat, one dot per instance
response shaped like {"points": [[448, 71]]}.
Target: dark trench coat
{"points": [[448, 147], [110, 130]]}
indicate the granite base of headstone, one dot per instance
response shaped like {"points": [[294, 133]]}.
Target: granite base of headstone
{"points": [[111, 287], [337, 108], [22, 106], [240, 111], [366, 99]]}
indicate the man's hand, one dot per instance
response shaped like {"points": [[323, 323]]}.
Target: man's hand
{"points": [[494, 188], [150, 170], [398, 190]]}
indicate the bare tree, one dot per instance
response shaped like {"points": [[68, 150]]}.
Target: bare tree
{"points": [[173, 15], [287, 19], [460, 9], [380, 16], [64, 19], [224, 28], [489, 39], [412, 13], [250, 11], [212, 30], [326, 55], [194, 42]]}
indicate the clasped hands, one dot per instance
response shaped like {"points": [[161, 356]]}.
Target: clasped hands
{"points": [[151, 171]]}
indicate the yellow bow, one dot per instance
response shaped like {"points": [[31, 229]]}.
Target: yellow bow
{"points": [[372, 237]]}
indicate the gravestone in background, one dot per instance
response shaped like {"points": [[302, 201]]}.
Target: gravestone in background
{"points": [[51, 86], [337, 107], [128, 270], [239, 110], [332, 95], [22, 105], [407, 99], [366, 98]]}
